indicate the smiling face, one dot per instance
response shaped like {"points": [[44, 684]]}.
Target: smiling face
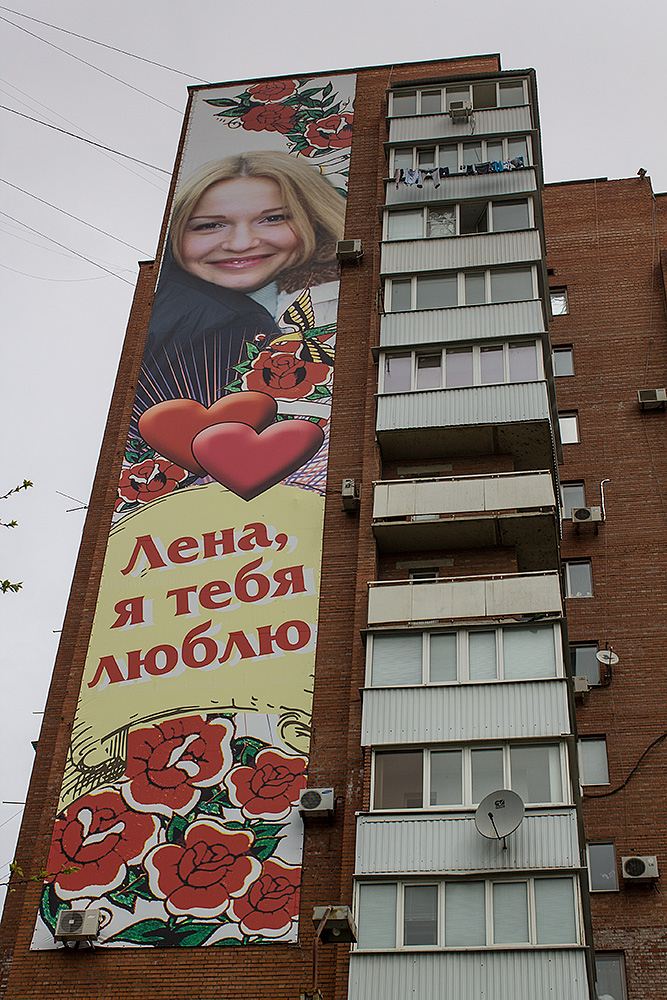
{"points": [[239, 234]]}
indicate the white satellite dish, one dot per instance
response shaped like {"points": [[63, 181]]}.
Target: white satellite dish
{"points": [[607, 656], [499, 814]]}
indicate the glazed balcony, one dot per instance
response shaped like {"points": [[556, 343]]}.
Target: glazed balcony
{"points": [[493, 121], [454, 252]]}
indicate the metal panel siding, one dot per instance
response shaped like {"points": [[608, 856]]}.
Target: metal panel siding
{"points": [[456, 188], [488, 404], [542, 974], [389, 845], [434, 326], [464, 495], [415, 128], [521, 709], [483, 250], [510, 595]]}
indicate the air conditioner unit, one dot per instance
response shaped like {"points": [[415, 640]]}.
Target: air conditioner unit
{"points": [[652, 399], [339, 927], [460, 111], [349, 494], [77, 925], [349, 250], [316, 802], [580, 685], [586, 515], [640, 868]]}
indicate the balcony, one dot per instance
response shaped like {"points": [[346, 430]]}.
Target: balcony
{"points": [[399, 602], [445, 253], [462, 512], [509, 418], [460, 186], [500, 320], [494, 121]]}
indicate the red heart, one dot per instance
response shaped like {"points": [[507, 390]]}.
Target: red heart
{"points": [[248, 463], [169, 427]]}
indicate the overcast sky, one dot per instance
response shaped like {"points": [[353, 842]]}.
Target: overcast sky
{"points": [[602, 92]]}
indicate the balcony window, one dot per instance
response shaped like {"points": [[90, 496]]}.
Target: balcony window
{"points": [[475, 913], [462, 777], [466, 655], [445, 290], [455, 155], [484, 96], [459, 367], [461, 219]]}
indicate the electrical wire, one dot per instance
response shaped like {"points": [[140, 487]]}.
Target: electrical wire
{"points": [[604, 795], [81, 138], [104, 45], [41, 277], [91, 65], [75, 252], [70, 216]]}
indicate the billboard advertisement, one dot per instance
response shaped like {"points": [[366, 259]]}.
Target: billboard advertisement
{"points": [[178, 816]]}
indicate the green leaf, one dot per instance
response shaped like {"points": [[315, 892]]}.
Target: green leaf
{"points": [[246, 748], [262, 829], [222, 102], [151, 931], [252, 350], [176, 829], [327, 90], [51, 905], [226, 942], [263, 849]]}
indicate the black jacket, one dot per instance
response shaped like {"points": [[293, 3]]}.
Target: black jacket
{"points": [[196, 336]]}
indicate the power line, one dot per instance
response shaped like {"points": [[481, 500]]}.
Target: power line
{"points": [[41, 277], [70, 216], [91, 65], [81, 138], [104, 45], [75, 252]]}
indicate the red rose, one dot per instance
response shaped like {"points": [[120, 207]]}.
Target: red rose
{"points": [[149, 479], [334, 132], [272, 901], [271, 118], [285, 376], [271, 787], [272, 90], [168, 764], [99, 836], [201, 877]]}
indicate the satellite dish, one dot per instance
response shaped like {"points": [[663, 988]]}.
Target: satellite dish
{"points": [[607, 656], [499, 814]]}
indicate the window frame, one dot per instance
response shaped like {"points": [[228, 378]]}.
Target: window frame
{"points": [[456, 206], [602, 956], [578, 595], [466, 751], [563, 349], [566, 510], [582, 777], [569, 418], [462, 636], [488, 272], [574, 646], [554, 292], [436, 146], [490, 930], [459, 89], [476, 351], [601, 843]]}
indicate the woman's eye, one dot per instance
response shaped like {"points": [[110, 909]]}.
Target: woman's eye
{"points": [[275, 218], [205, 226]]}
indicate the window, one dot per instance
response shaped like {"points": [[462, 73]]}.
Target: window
{"points": [[585, 662], [461, 219], [610, 976], [593, 762], [563, 361], [458, 155], [568, 425], [433, 100], [423, 575], [558, 300], [578, 578], [509, 654], [571, 495], [463, 776], [474, 913], [458, 367], [444, 290], [602, 867]]}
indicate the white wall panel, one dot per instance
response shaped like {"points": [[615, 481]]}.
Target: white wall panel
{"points": [[431, 326], [482, 250], [495, 120]]}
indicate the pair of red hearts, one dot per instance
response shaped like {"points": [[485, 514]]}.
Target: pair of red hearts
{"points": [[235, 440]]}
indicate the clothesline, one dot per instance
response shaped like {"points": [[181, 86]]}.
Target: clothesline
{"points": [[419, 175]]}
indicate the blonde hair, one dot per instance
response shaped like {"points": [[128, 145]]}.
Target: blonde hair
{"points": [[316, 210]]}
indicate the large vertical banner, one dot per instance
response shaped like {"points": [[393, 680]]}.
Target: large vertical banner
{"points": [[178, 811]]}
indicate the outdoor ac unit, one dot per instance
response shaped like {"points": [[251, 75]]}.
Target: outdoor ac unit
{"points": [[580, 685], [77, 925], [349, 250], [349, 494], [586, 515], [316, 802], [652, 399], [640, 868], [460, 111]]}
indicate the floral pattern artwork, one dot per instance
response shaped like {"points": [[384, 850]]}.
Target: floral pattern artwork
{"points": [[209, 863]]}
